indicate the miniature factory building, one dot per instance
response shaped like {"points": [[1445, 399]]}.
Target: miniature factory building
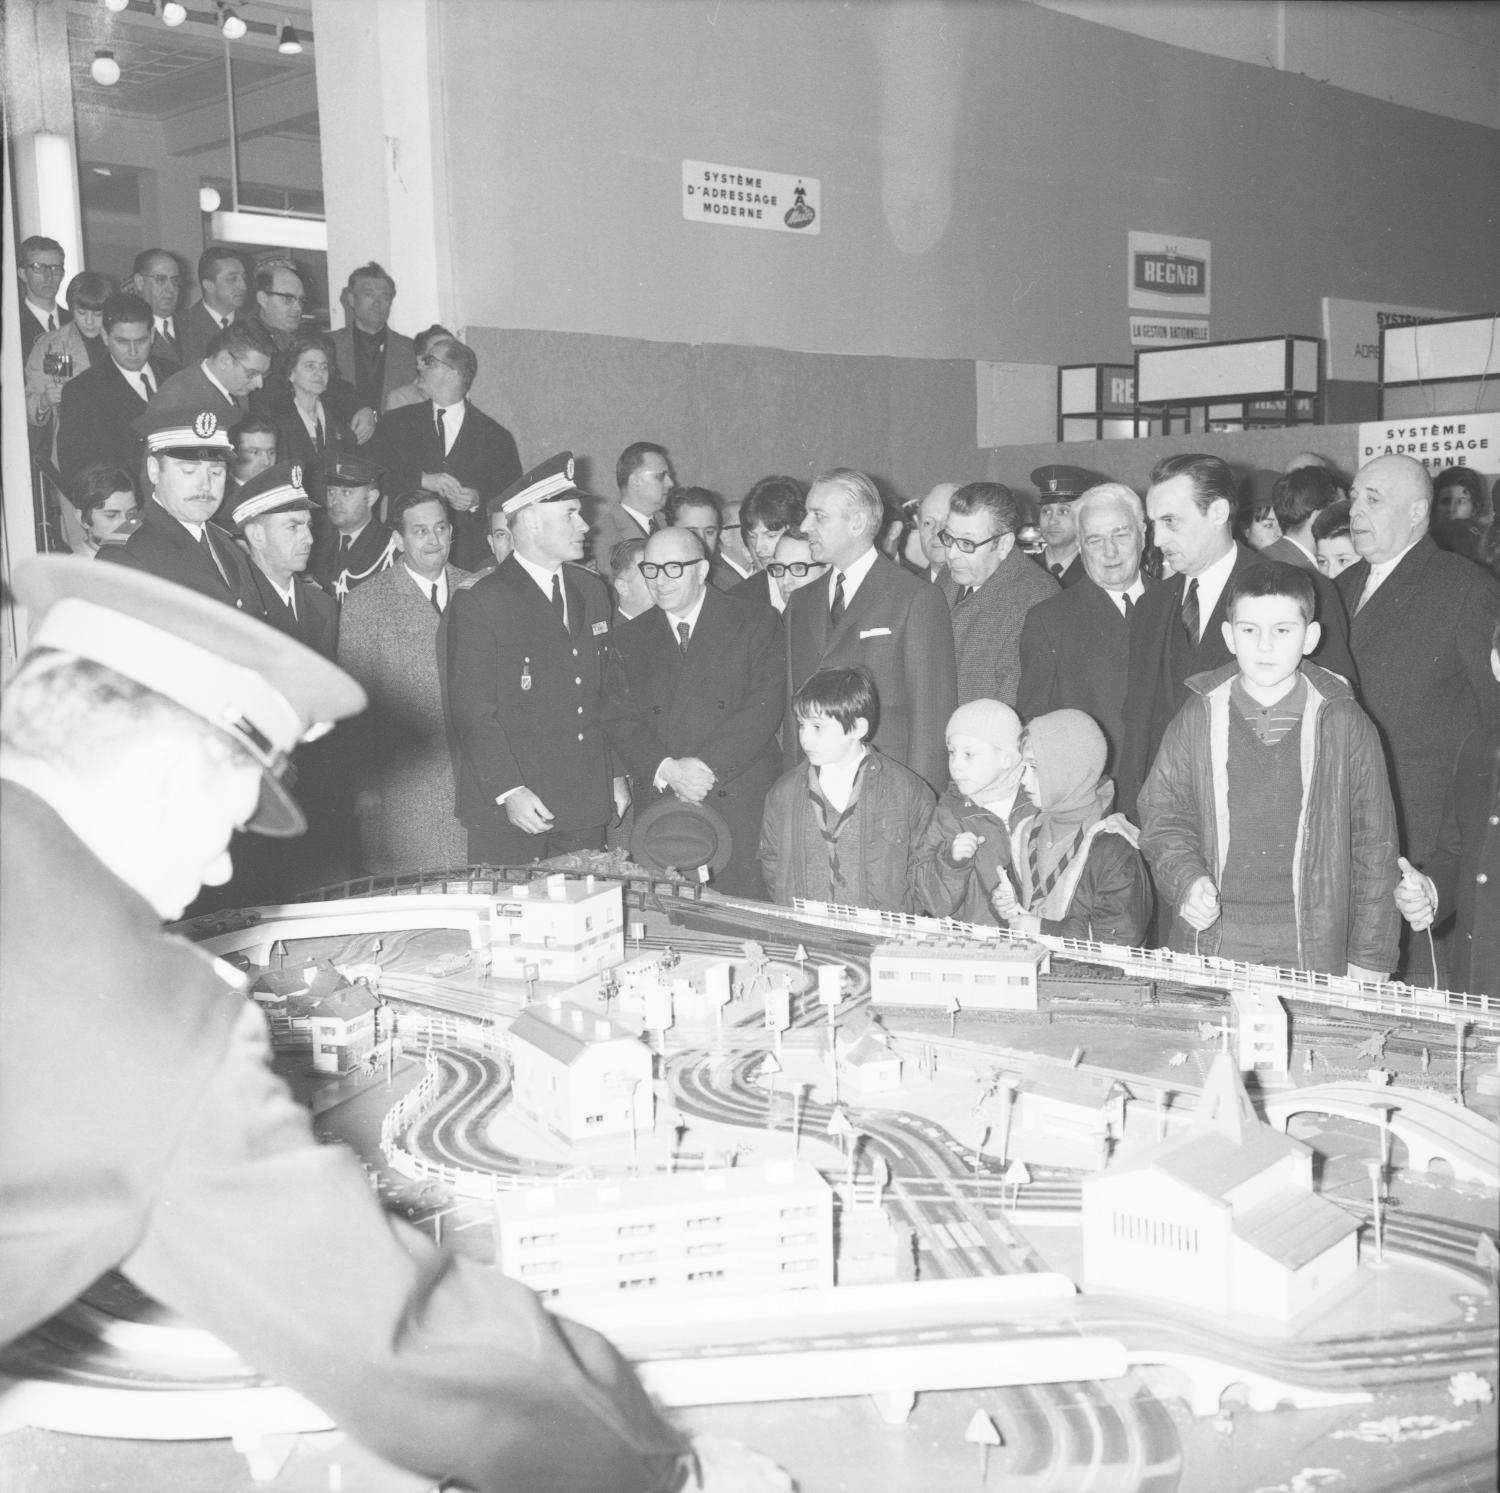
{"points": [[747, 1228], [936, 972], [579, 1075], [567, 927], [1222, 1218], [1065, 1116]]}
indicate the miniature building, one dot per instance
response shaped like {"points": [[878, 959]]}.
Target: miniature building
{"points": [[937, 972], [578, 1074], [1065, 1116], [750, 1228], [1222, 1218], [568, 928], [869, 1066], [341, 1021], [1260, 1030]]}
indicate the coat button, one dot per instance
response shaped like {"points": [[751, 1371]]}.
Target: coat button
{"points": [[580, 736], [577, 680], [1495, 818], [1482, 879]]}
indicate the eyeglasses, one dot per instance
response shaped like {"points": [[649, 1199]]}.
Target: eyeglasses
{"points": [[672, 569], [967, 546], [41, 267], [798, 568], [287, 295], [428, 361]]}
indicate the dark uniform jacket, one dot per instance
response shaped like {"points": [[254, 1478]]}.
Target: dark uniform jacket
{"points": [[1163, 659], [164, 547], [316, 622], [527, 696], [899, 628], [93, 418], [141, 1128], [1466, 864], [483, 457], [1422, 644], [720, 701], [373, 550]]}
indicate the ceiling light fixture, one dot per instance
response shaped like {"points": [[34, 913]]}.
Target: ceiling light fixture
{"points": [[117, 5], [288, 44], [209, 200], [105, 70], [173, 12], [230, 22]]}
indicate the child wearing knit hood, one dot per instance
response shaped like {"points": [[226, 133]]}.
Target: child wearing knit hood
{"points": [[1077, 871], [962, 858]]}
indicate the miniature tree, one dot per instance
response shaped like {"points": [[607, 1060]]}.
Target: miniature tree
{"points": [[1460, 1031]]}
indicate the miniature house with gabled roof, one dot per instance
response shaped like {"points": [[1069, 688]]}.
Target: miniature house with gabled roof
{"points": [[341, 1022], [1222, 1218], [577, 1074], [568, 927], [868, 1064], [1065, 1116]]}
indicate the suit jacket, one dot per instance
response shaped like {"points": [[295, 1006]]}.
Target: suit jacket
{"points": [[316, 621], [1422, 644], [758, 587], [1073, 572], [400, 361], [32, 326], [899, 628], [527, 697], [191, 389], [1075, 655], [612, 525], [721, 701], [1289, 553], [163, 547], [483, 457], [1162, 659], [987, 627], [196, 328], [372, 552], [293, 443], [400, 749], [169, 352], [94, 418]]}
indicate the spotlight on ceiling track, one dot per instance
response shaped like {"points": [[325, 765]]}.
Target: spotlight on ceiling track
{"points": [[104, 69], [230, 23], [288, 42], [173, 12]]}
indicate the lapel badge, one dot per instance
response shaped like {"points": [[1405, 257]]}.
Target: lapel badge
{"points": [[526, 674], [600, 628]]}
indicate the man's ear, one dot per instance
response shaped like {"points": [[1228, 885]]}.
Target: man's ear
{"points": [[1005, 544], [1313, 638]]}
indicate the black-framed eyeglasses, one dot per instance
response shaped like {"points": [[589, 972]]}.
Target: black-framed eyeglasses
{"points": [[428, 361], [40, 267], [797, 568], [287, 295], [967, 546], [672, 569]]}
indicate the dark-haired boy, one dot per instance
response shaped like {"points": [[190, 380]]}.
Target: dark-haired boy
{"points": [[843, 825], [1267, 818]]}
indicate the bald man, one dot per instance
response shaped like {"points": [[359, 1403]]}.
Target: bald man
{"points": [[924, 554], [694, 710], [1420, 632]]}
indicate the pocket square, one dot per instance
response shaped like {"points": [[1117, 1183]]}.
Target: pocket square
{"points": [[875, 632]]}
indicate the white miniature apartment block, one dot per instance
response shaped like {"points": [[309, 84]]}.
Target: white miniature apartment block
{"points": [[1221, 1219], [1262, 1039], [933, 972], [747, 1228], [577, 1074], [567, 927]]}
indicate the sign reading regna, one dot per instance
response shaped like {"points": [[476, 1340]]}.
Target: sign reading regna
{"points": [[743, 197], [1170, 273]]}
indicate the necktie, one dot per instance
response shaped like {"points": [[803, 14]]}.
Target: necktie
{"points": [[207, 544], [52, 321], [836, 611], [559, 605], [346, 543], [1129, 608], [1190, 617], [223, 323], [683, 634], [146, 384], [442, 429], [291, 601], [964, 593], [1057, 570], [319, 439], [437, 606]]}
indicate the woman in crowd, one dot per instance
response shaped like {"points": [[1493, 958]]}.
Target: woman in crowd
{"points": [[305, 426], [58, 356], [107, 507]]}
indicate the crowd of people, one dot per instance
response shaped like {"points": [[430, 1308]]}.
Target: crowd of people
{"points": [[1255, 717]]}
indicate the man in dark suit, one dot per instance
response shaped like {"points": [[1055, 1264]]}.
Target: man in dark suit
{"points": [[224, 288], [1422, 622], [187, 458], [236, 365], [1058, 491], [989, 586], [157, 279], [643, 475], [349, 543], [870, 611], [97, 413], [528, 652], [1178, 630], [40, 268], [693, 711], [374, 359], [1075, 645], [446, 446]]}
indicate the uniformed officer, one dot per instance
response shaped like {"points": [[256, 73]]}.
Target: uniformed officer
{"points": [[1058, 489], [187, 459], [350, 544], [529, 646], [141, 1126]]}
